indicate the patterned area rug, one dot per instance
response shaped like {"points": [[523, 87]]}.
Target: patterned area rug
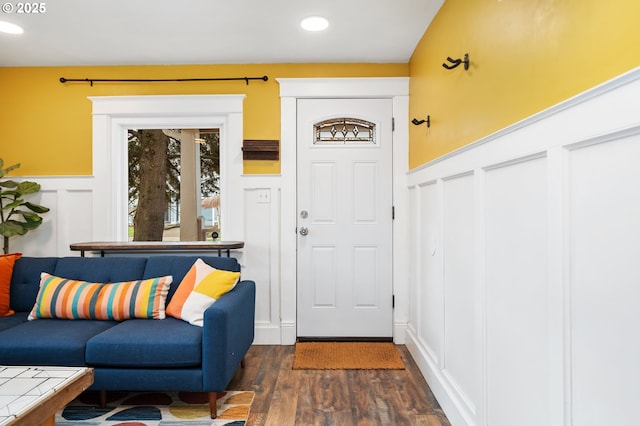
{"points": [[347, 356], [156, 409]]}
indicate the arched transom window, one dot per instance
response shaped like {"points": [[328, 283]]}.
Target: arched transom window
{"points": [[344, 131]]}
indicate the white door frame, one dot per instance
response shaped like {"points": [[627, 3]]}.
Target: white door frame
{"points": [[292, 89]]}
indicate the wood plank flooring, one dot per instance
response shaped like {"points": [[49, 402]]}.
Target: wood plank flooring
{"points": [[334, 397]]}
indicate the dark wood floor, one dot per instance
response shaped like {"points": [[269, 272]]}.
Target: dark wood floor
{"points": [[334, 397]]}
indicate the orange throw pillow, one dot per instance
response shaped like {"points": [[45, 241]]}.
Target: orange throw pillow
{"points": [[6, 271]]}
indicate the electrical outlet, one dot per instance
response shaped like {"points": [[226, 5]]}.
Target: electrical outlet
{"points": [[264, 196]]}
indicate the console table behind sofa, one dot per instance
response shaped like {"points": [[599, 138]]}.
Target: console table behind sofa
{"points": [[162, 246]]}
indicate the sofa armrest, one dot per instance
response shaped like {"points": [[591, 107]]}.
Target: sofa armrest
{"points": [[227, 334]]}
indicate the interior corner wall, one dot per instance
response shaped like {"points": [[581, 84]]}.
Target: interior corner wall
{"points": [[525, 56]]}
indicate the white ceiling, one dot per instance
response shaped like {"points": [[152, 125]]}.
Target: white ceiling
{"points": [[129, 32]]}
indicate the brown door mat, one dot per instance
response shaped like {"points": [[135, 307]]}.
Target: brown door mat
{"points": [[347, 356]]}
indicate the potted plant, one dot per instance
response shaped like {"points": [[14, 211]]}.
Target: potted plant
{"points": [[13, 207]]}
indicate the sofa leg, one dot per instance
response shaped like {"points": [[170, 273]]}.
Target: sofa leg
{"points": [[242, 363], [213, 398], [103, 398]]}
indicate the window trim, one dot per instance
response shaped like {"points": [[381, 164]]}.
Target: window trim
{"points": [[114, 115]]}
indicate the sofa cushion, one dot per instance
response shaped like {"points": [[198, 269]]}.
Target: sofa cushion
{"points": [[102, 269], [199, 289], [25, 281], [177, 266], [13, 320], [49, 342], [72, 299], [6, 271], [147, 344]]}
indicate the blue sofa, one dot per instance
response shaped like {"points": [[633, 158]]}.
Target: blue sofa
{"points": [[135, 354]]}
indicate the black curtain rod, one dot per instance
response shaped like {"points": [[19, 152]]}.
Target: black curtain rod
{"points": [[153, 80]]}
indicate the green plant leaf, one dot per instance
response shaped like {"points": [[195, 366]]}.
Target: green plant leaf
{"points": [[27, 214], [9, 184], [11, 192], [32, 221], [16, 203], [28, 187], [11, 228], [36, 207], [3, 172]]}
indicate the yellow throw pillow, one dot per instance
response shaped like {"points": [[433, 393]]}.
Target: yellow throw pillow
{"points": [[201, 287]]}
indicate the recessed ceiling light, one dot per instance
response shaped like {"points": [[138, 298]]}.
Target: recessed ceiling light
{"points": [[9, 28], [314, 23]]}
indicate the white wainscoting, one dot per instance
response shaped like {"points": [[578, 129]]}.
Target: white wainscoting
{"points": [[261, 254], [70, 221], [524, 275]]}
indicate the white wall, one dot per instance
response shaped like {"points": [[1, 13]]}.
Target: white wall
{"points": [[524, 268]]}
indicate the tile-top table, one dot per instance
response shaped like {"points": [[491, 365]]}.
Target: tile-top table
{"points": [[33, 395]]}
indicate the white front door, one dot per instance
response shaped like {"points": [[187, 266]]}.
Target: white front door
{"points": [[344, 225]]}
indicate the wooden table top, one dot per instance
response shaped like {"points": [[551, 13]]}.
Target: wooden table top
{"points": [[155, 245]]}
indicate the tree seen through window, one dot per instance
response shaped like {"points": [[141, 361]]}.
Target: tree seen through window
{"points": [[156, 184]]}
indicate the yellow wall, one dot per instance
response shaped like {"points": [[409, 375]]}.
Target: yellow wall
{"points": [[46, 125], [526, 55]]}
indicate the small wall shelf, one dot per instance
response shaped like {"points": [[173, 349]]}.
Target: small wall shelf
{"points": [[260, 149]]}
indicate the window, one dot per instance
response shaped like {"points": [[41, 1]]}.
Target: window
{"points": [[344, 131], [114, 115], [187, 206]]}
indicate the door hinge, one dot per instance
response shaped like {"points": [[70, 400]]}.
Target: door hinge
{"points": [[393, 124], [393, 301], [393, 212]]}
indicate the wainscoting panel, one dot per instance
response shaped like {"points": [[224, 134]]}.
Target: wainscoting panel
{"points": [[260, 257], [46, 238], [69, 220], [604, 212], [516, 294], [257, 256], [459, 288], [430, 308], [78, 205], [524, 276], [413, 273]]}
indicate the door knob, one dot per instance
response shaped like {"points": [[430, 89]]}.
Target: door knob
{"points": [[304, 231]]}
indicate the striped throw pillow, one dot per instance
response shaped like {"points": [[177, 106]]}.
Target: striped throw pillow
{"points": [[71, 299]]}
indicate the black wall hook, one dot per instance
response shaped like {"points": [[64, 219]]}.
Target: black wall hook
{"points": [[417, 122], [456, 62]]}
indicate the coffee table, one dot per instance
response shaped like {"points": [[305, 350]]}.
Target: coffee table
{"points": [[32, 395]]}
